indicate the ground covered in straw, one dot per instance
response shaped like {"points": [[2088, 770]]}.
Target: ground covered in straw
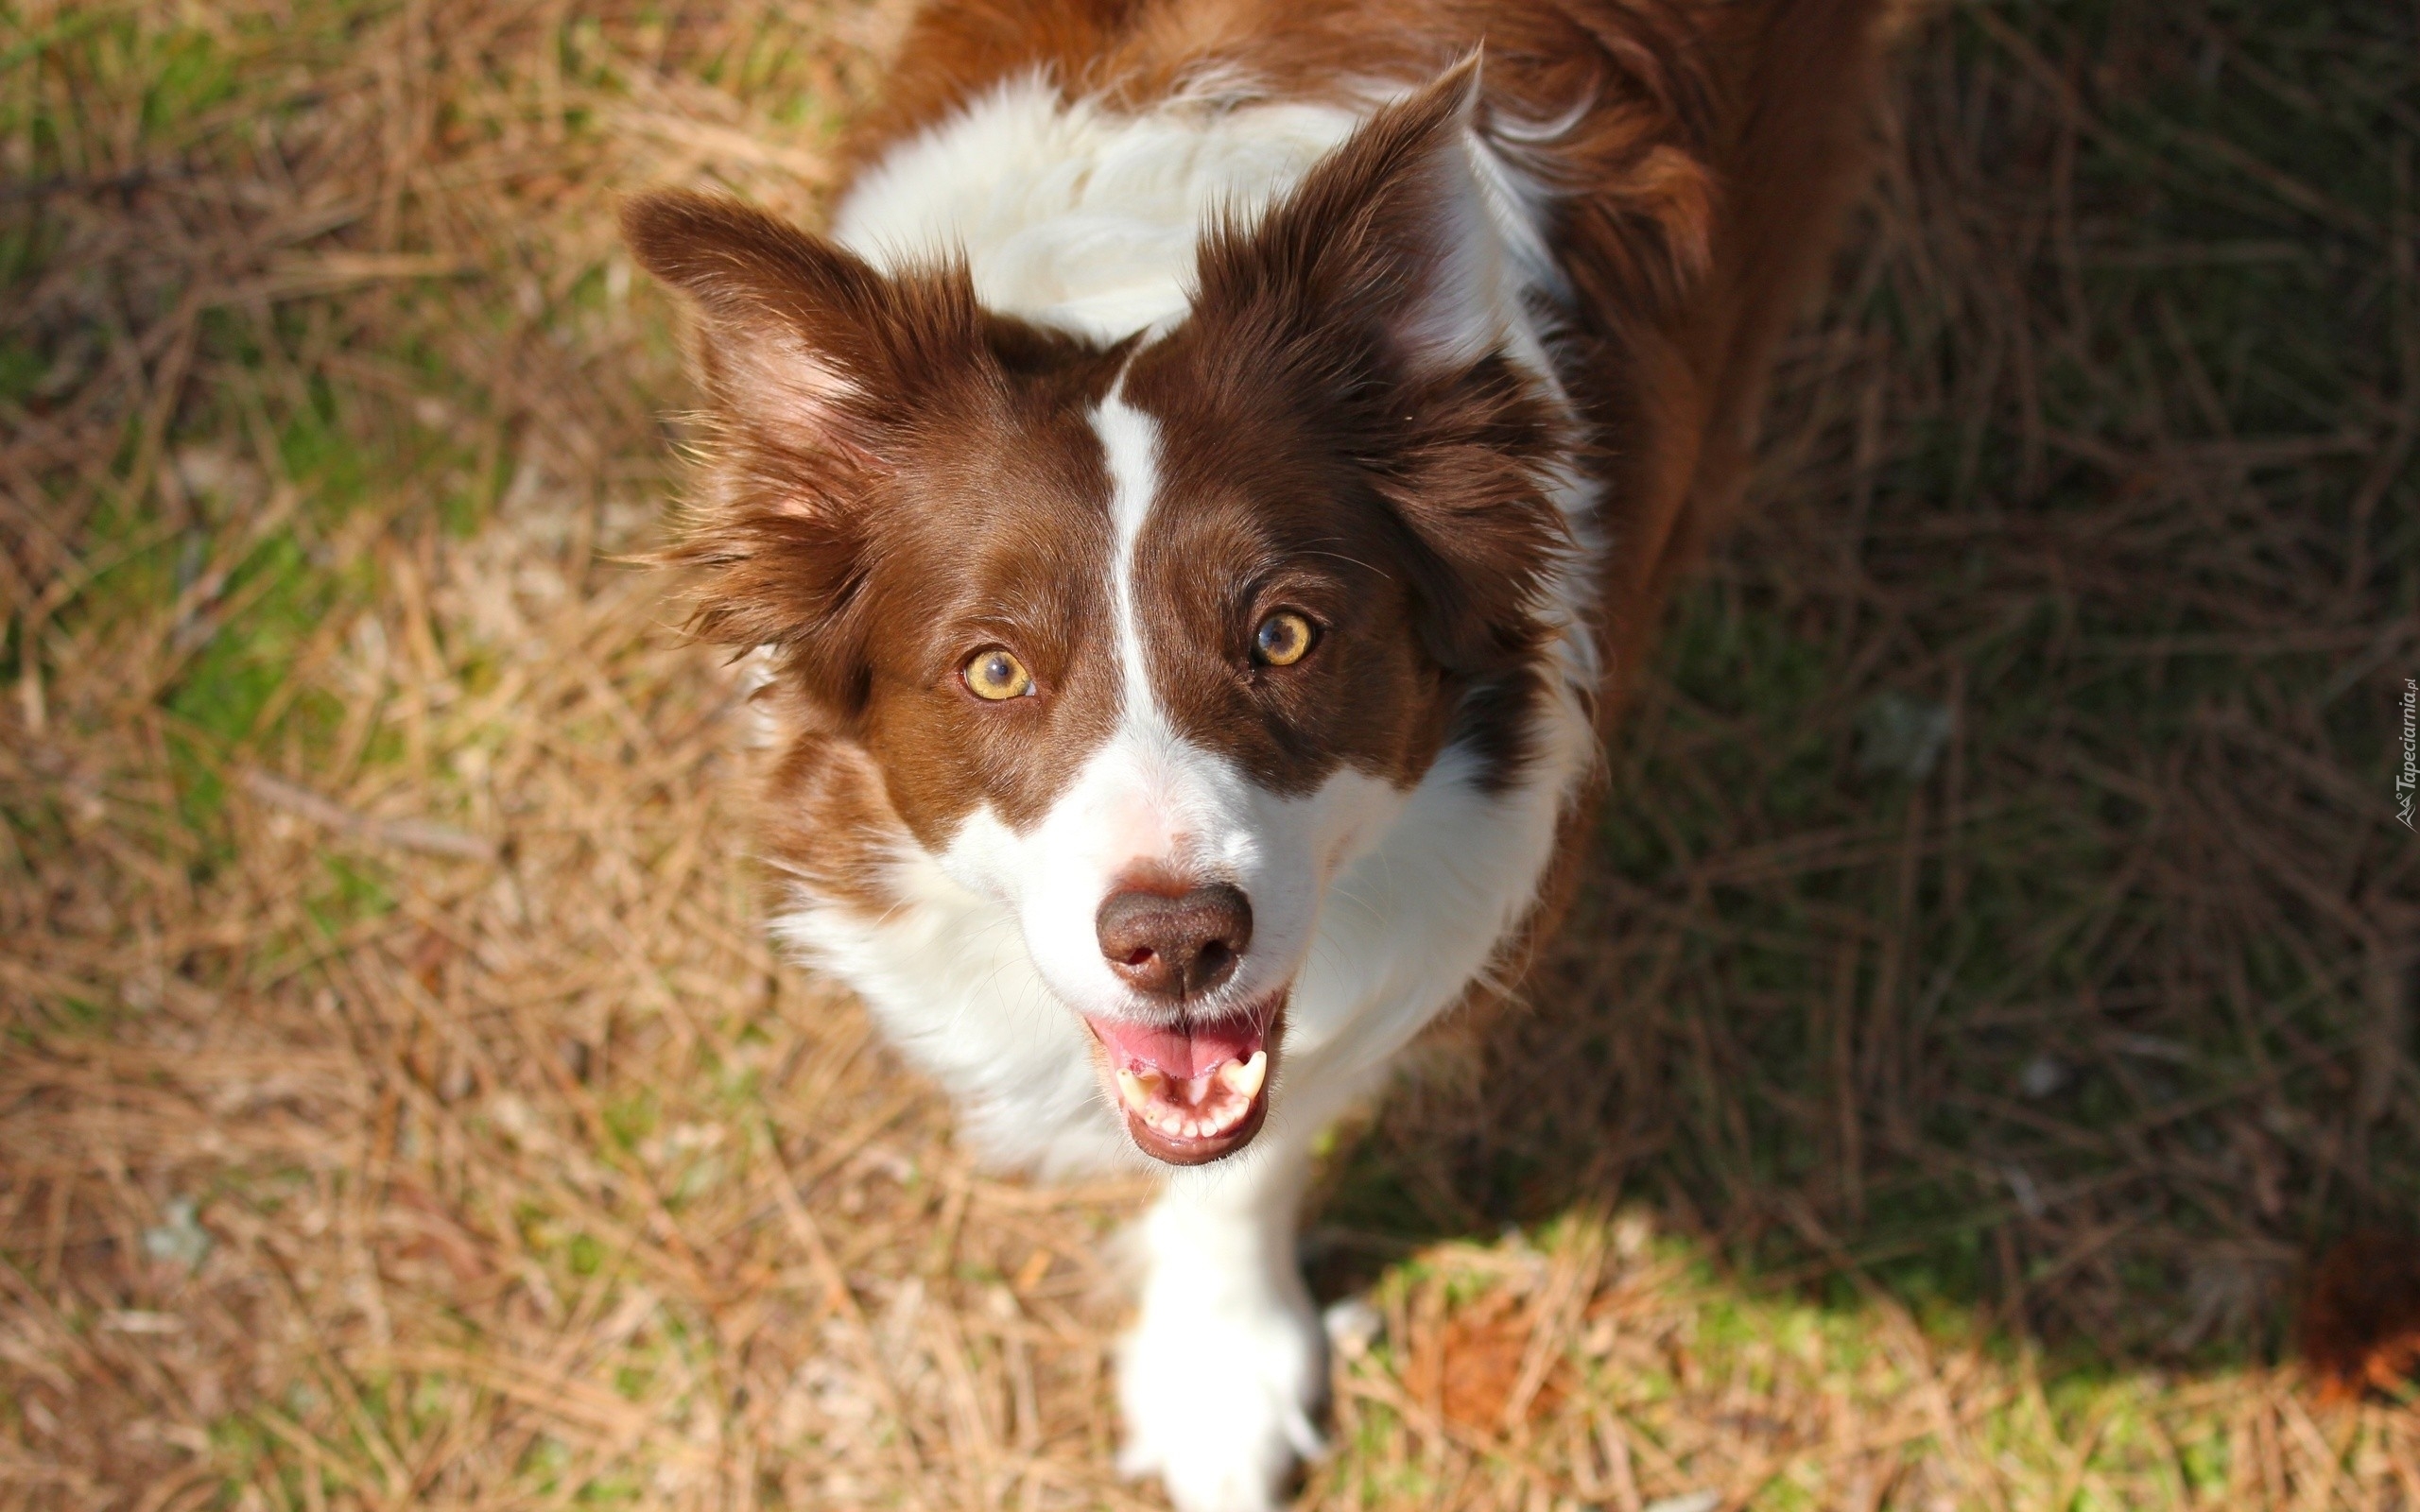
{"points": [[1993, 986]]}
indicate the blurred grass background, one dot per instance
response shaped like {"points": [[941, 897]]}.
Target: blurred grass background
{"points": [[1996, 984]]}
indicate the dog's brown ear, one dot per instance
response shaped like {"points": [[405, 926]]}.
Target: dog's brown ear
{"points": [[1374, 292], [816, 365], [803, 344], [1384, 245]]}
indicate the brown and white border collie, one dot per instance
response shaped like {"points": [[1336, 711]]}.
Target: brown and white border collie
{"points": [[1193, 516]]}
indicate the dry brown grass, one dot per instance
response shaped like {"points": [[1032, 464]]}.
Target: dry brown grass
{"points": [[399, 1105]]}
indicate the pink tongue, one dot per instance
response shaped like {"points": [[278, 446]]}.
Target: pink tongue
{"points": [[1193, 1050]]}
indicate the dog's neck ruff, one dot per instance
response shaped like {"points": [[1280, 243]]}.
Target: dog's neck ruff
{"points": [[1074, 216]]}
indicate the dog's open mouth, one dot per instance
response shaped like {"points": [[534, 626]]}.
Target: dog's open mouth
{"points": [[1193, 1092]]}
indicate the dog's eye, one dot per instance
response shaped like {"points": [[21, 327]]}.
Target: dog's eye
{"points": [[1283, 639], [995, 674]]}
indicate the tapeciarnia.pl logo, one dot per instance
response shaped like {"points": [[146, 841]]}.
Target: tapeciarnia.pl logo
{"points": [[2409, 777]]}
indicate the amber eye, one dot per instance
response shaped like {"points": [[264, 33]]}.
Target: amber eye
{"points": [[1283, 639], [996, 676]]}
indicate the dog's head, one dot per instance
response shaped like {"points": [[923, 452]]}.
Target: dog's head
{"points": [[1146, 641]]}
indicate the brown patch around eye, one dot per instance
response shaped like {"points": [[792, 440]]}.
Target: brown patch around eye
{"points": [[1283, 638], [995, 676]]}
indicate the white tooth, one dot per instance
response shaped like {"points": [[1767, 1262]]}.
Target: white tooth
{"points": [[1137, 1091], [1243, 1077]]}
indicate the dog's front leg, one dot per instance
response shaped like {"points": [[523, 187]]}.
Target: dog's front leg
{"points": [[1226, 1365]]}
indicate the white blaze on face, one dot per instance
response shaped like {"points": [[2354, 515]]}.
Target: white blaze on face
{"points": [[1150, 802]]}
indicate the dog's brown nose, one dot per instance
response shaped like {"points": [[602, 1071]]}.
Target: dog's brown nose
{"points": [[1177, 947]]}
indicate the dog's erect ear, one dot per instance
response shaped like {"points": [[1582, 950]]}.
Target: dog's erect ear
{"points": [[1374, 294], [817, 368], [804, 343], [1386, 239]]}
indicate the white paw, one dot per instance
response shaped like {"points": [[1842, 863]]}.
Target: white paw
{"points": [[1218, 1391]]}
